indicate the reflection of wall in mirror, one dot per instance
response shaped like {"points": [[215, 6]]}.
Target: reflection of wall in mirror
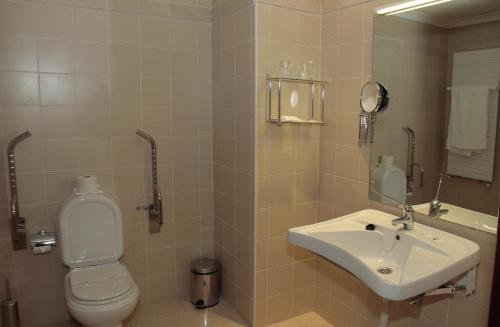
{"points": [[409, 59], [464, 192]]}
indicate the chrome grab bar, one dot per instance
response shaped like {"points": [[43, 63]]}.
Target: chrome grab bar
{"points": [[156, 208], [17, 223], [410, 162]]}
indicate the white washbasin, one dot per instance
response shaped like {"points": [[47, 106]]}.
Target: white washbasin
{"points": [[421, 260], [463, 216]]}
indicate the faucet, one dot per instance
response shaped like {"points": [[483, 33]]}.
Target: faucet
{"points": [[435, 205], [156, 208], [17, 223], [406, 219], [410, 162]]}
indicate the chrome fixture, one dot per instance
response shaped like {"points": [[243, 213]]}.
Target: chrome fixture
{"points": [[156, 208], [17, 223], [435, 205], [410, 162], [374, 98], [406, 219], [365, 129], [42, 242], [316, 117]]}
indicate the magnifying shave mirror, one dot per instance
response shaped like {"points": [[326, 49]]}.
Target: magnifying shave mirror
{"points": [[374, 98]]}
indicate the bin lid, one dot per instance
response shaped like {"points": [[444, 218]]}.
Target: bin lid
{"points": [[204, 266]]}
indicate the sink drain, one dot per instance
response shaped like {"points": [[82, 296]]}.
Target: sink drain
{"points": [[384, 270]]}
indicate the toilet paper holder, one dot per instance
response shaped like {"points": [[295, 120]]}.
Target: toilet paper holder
{"points": [[42, 242]]}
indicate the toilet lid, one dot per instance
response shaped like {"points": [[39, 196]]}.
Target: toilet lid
{"points": [[100, 283]]}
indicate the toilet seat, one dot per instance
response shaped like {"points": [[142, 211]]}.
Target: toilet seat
{"points": [[99, 285]]}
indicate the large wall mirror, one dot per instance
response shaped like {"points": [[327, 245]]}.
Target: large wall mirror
{"points": [[441, 66]]}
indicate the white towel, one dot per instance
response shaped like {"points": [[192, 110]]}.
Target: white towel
{"points": [[468, 124]]}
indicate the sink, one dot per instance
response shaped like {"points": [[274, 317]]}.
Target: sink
{"points": [[396, 265]]}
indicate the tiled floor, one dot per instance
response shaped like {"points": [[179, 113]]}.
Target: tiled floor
{"points": [[183, 314], [309, 319]]}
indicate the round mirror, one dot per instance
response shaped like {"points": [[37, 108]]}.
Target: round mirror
{"points": [[374, 97]]}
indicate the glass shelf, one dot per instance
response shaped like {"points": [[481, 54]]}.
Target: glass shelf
{"points": [[315, 117]]}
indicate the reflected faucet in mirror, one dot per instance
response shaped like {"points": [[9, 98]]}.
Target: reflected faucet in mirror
{"points": [[435, 205], [410, 162], [17, 223]]}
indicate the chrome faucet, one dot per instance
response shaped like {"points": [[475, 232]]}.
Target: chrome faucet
{"points": [[406, 219], [17, 223], [156, 208]]}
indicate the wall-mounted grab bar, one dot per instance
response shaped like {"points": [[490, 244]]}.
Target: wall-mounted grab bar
{"points": [[156, 208], [410, 162], [17, 223]]}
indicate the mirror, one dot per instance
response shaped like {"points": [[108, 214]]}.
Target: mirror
{"points": [[374, 98], [436, 147]]}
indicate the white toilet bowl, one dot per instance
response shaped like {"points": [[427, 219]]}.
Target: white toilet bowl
{"points": [[101, 304], [100, 292]]}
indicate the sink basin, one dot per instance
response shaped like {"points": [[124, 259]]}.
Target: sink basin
{"points": [[395, 265]]}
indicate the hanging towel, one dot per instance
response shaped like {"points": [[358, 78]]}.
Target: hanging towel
{"points": [[468, 124]]}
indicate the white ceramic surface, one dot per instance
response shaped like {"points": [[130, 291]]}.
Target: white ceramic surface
{"points": [[421, 260], [463, 216], [100, 292], [90, 230]]}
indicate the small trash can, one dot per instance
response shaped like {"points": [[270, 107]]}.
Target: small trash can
{"points": [[205, 283]]}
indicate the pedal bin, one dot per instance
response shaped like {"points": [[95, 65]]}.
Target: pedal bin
{"points": [[205, 283]]}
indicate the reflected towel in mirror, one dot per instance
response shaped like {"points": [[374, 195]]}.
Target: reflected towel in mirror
{"points": [[468, 123]]}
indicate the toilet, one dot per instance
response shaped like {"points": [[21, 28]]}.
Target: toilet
{"points": [[390, 180], [99, 289]]}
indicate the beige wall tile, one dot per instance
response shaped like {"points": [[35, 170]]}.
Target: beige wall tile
{"points": [[90, 58], [155, 32], [53, 21], [19, 89], [57, 89], [125, 61], [59, 122], [350, 22], [155, 92], [155, 62], [123, 29], [94, 153], [90, 25], [12, 14], [60, 155], [55, 56], [284, 25], [18, 54]]}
